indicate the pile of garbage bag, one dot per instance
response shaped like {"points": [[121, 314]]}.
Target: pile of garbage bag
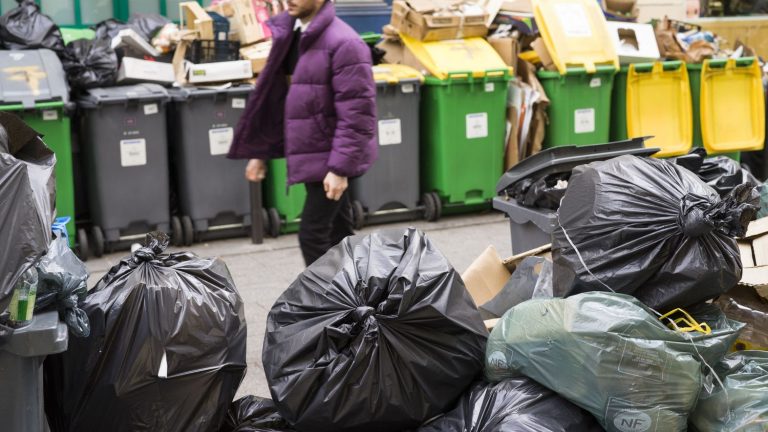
{"points": [[26, 181], [24, 27], [611, 355], [651, 229], [720, 172], [380, 334], [514, 404], [90, 64], [254, 414], [166, 350]]}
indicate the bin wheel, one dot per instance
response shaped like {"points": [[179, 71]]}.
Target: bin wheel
{"points": [[265, 221], [430, 207], [275, 222], [98, 241], [177, 233], [189, 230], [358, 215], [438, 206], [84, 250]]}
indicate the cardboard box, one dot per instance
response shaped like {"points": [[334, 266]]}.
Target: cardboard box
{"points": [[224, 9], [754, 257], [257, 54], [397, 53], [635, 43], [133, 70], [219, 72], [508, 49], [523, 6], [194, 17], [133, 44], [543, 53], [488, 274], [248, 28], [431, 20]]}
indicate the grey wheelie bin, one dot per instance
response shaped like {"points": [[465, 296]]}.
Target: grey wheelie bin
{"points": [[213, 195], [389, 191], [531, 227], [21, 371], [125, 145]]}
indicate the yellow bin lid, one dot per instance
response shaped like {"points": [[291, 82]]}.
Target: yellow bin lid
{"points": [[575, 33], [659, 104], [732, 106], [394, 73], [456, 57]]}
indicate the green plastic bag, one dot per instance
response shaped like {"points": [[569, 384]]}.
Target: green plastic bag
{"points": [[610, 354], [743, 404]]}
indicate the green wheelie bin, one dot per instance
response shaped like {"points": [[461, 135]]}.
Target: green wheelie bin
{"points": [[283, 204]]}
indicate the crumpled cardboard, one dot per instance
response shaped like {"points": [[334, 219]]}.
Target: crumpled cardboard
{"points": [[432, 20]]}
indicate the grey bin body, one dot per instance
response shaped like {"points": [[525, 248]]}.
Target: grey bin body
{"points": [[126, 151], [21, 371], [212, 189], [532, 227], [393, 180]]}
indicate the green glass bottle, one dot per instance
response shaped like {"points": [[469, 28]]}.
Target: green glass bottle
{"points": [[23, 301]]}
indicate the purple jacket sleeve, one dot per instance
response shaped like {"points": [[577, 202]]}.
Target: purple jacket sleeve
{"points": [[354, 93]]}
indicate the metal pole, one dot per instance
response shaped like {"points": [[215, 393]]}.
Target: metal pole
{"points": [[257, 222]]}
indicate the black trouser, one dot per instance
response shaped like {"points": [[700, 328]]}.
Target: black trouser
{"points": [[324, 222]]}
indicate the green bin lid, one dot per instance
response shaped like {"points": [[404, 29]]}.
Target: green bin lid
{"points": [[29, 77]]}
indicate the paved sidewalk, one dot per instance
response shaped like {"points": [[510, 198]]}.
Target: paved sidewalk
{"points": [[262, 272]]}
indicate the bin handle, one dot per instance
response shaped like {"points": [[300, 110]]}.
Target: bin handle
{"points": [[460, 74], [501, 72]]}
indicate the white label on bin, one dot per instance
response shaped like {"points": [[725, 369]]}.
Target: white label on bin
{"points": [[133, 152], [407, 88], [595, 82], [390, 132], [238, 103], [584, 120], [477, 125], [150, 109], [573, 19], [490, 87], [220, 140], [49, 115]]}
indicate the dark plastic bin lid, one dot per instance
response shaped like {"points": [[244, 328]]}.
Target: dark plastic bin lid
{"points": [[565, 158], [45, 335], [184, 93], [116, 95], [29, 77], [544, 219]]}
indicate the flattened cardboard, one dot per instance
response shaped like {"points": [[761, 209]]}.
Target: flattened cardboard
{"points": [[414, 18], [194, 17], [508, 49], [543, 53], [754, 257], [640, 36], [249, 29], [745, 250], [523, 6], [760, 250], [257, 54], [757, 228]]}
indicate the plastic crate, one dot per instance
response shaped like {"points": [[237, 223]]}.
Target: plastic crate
{"points": [[580, 106]]}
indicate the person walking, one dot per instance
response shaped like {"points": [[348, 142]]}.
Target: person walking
{"points": [[315, 105]]}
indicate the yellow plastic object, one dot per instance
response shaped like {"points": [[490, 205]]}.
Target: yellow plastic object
{"points": [[659, 104], [685, 323], [394, 73], [732, 106], [530, 57], [457, 57], [575, 33]]}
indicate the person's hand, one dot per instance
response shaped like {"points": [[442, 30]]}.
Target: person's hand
{"points": [[334, 186], [256, 170]]}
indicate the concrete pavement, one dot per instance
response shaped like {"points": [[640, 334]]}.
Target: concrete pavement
{"points": [[262, 272]]}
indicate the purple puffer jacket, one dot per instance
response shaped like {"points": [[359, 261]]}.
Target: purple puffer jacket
{"points": [[326, 120]]}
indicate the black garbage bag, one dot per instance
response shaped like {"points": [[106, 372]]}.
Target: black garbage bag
{"points": [[109, 28], [515, 404], [27, 192], [720, 172], [90, 64], [24, 27], [544, 192], [254, 414], [650, 229], [166, 350], [380, 334], [148, 24], [61, 286]]}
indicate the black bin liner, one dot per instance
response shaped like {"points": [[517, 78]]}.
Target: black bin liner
{"points": [[254, 414], [90, 64], [515, 405], [651, 229], [27, 199], [166, 350], [380, 334], [24, 27], [720, 172]]}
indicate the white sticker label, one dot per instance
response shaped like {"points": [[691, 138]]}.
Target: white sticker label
{"points": [[490, 87], [573, 19], [150, 109], [133, 152], [584, 120], [390, 132], [49, 115], [220, 140], [407, 88], [595, 82], [238, 103], [477, 125]]}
